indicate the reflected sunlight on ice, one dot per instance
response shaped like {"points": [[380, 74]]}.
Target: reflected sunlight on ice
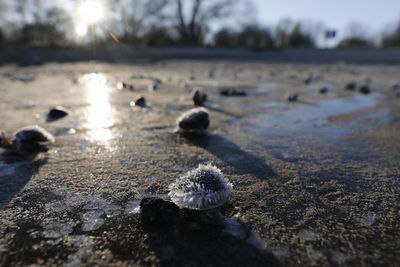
{"points": [[100, 109]]}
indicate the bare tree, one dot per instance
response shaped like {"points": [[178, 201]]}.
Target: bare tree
{"points": [[392, 39], [356, 35], [193, 18], [133, 17]]}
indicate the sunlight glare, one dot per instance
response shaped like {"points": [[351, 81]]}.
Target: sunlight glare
{"points": [[100, 109], [81, 29], [91, 11]]}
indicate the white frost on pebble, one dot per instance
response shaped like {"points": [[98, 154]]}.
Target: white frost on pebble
{"points": [[200, 189], [20, 133]]}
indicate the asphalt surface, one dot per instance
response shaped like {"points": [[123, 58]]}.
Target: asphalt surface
{"points": [[315, 182]]}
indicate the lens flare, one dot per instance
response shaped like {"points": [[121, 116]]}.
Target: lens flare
{"points": [[91, 11]]}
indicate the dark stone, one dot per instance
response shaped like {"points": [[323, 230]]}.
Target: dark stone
{"points": [[31, 136], [292, 97], [141, 102], [232, 92], [224, 92], [323, 90], [199, 97], [309, 79], [364, 89], [57, 113], [31, 141], [351, 86], [158, 211], [195, 121], [30, 147]]}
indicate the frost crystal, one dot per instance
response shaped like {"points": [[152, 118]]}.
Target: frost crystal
{"points": [[201, 189]]}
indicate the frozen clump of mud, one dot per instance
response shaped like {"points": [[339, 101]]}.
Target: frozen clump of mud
{"points": [[57, 229], [92, 220], [201, 189]]}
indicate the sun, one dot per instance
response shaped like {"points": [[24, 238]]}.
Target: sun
{"points": [[91, 11]]}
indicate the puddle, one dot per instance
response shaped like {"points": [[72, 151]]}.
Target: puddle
{"points": [[309, 118], [318, 113]]}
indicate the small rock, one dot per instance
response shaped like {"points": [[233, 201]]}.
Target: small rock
{"points": [[121, 85], [153, 87], [199, 97], [232, 92], [201, 189], [364, 89], [323, 90], [158, 211], [309, 79], [140, 102], [56, 113], [396, 86], [194, 119], [211, 74], [291, 97], [351, 86], [32, 139]]}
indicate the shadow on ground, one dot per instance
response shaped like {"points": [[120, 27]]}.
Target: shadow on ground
{"points": [[187, 242], [15, 173], [231, 154]]}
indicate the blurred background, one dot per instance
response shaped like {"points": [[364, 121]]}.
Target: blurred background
{"points": [[242, 24]]}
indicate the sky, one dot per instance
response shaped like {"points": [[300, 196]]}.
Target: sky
{"points": [[376, 14]]}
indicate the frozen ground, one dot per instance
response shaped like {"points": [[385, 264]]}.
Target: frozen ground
{"points": [[316, 182]]}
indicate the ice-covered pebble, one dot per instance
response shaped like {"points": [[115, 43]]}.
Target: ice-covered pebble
{"points": [[194, 119], [201, 188]]}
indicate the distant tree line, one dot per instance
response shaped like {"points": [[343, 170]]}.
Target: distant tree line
{"points": [[161, 23]]}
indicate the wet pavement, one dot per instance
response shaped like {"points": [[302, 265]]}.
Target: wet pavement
{"points": [[315, 182]]}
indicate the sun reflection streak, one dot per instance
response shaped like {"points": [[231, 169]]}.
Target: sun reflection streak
{"points": [[99, 112]]}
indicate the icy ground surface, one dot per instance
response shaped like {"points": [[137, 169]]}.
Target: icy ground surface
{"points": [[316, 182]]}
